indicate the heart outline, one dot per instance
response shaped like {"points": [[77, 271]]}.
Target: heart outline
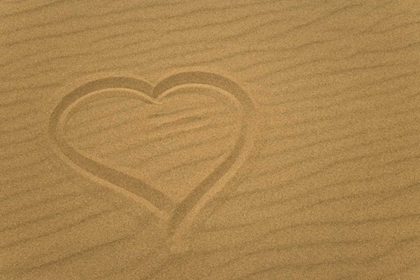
{"points": [[178, 216]]}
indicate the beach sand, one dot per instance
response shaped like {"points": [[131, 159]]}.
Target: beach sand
{"points": [[209, 140]]}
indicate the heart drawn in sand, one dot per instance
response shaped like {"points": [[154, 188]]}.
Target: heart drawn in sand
{"points": [[178, 215]]}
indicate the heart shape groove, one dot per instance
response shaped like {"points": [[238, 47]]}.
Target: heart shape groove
{"points": [[179, 216]]}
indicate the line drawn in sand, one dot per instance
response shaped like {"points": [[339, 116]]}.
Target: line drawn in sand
{"points": [[178, 216]]}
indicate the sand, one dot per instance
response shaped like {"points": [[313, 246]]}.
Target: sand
{"points": [[205, 140]]}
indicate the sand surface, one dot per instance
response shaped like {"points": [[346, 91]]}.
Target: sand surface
{"points": [[210, 140]]}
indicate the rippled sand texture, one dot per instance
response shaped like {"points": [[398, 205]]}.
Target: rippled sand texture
{"points": [[206, 140]]}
